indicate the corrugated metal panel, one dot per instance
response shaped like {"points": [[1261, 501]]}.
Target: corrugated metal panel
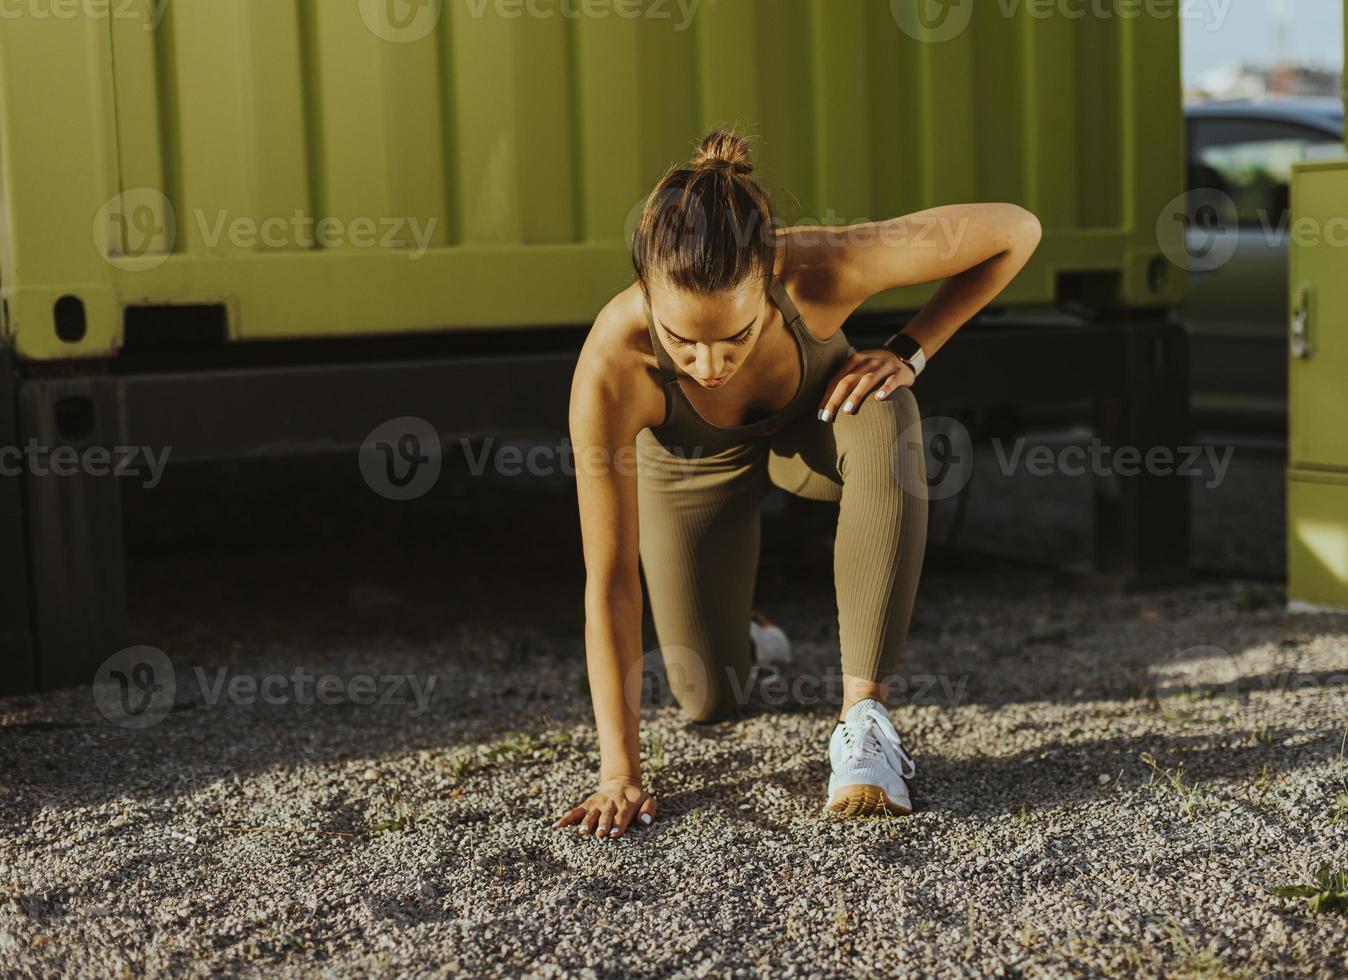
{"points": [[204, 145]]}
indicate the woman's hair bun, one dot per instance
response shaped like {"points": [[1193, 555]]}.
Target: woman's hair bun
{"points": [[726, 151]]}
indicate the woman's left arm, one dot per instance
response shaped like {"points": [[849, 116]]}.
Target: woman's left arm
{"points": [[978, 249]]}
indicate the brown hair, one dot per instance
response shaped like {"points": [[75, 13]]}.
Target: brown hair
{"points": [[709, 225]]}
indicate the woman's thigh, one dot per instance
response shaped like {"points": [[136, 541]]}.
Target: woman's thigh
{"points": [[700, 531], [810, 458]]}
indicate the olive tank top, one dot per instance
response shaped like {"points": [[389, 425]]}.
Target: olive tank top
{"points": [[685, 431]]}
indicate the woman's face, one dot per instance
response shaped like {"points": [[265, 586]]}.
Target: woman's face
{"points": [[709, 337]]}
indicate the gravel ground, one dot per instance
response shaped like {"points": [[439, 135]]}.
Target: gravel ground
{"points": [[1107, 784]]}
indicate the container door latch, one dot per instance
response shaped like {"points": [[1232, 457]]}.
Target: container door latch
{"points": [[1301, 315]]}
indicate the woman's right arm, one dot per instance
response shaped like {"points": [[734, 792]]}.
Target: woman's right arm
{"points": [[610, 394]]}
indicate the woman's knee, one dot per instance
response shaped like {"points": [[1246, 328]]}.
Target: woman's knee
{"points": [[705, 692], [881, 429], [707, 705]]}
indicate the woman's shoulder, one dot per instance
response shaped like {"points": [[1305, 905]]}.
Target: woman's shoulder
{"points": [[810, 270], [617, 360]]}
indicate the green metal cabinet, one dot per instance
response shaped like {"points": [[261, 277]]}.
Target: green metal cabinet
{"points": [[181, 154], [1317, 475]]}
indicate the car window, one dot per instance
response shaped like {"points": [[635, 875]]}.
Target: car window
{"points": [[1251, 161]]}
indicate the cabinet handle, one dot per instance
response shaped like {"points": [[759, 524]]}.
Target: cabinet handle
{"points": [[1301, 317]]}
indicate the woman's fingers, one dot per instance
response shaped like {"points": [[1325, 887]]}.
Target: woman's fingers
{"points": [[646, 812], [622, 818], [895, 381], [609, 817], [570, 816], [859, 377], [590, 821], [864, 383], [835, 392], [606, 819]]}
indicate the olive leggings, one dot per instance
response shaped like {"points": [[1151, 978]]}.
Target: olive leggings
{"points": [[700, 530]]}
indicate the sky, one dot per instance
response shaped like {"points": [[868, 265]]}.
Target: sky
{"points": [[1217, 32]]}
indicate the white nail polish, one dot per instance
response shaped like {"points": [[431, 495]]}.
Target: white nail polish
{"points": [[823, 416], [646, 819], [847, 405], [880, 393]]}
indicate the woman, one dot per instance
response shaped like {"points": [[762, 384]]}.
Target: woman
{"points": [[720, 373]]}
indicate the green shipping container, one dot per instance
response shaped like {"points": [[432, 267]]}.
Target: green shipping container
{"points": [[1317, 448], [320, 168]]}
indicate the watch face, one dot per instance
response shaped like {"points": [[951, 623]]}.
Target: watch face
{"points": [[905, 347]]}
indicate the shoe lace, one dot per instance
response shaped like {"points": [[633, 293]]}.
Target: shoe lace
{"points": [[877, 741]]}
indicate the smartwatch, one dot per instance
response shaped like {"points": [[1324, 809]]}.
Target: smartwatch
{"points": [[908, 351]]}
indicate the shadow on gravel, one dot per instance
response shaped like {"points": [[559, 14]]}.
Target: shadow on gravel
{"points": [[263, 568]]}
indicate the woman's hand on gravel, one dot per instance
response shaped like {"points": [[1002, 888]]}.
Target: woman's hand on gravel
{"points": [[609, 809]]}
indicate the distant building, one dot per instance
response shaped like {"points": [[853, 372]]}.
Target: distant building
{"points": [[1243, 81]]}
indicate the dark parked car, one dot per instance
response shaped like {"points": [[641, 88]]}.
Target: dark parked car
{"points": [[1237, 311]]}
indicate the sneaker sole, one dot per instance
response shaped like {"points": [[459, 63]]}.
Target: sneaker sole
{"points": [[860, 800]]}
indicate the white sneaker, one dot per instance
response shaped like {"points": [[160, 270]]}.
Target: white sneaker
{"points": [[870, 767], [771, 646]]}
